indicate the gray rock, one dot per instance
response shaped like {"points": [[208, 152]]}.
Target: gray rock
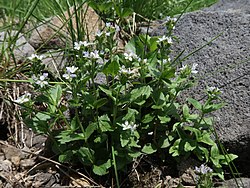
{"points": [[231, 6], [44, 37], [225, 63], [242, 182], [22, 49], [54, 61]]}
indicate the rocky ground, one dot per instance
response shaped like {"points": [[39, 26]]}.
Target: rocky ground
{"points": [[223, 63]]}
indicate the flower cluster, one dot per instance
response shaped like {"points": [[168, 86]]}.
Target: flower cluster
{"points": [[213, 91], [165, 38], [34, 57], [77, 45], [40, 80], [203, 169], [130, 56], [108, 30], [127, 125], [193, 68], [70, 72], [24, 98]]}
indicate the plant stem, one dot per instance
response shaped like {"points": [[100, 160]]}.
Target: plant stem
{"points": [[114, 162]]}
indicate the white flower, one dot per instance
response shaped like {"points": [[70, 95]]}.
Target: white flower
{"points": [[165, 38], [203, 169], [127, 125], [35, 57], [72, 69], [85, 54], [125, 70], [94, 55], [77, 45], [166, 60], [85, 43], [193, 69], [107, 34], [212, 88], [41, 80], [99, 33], [183, 67], [24, 98], [168, 19], [145, 61], [117, 28], [150, 133], [108, 24], [70, 72], [129, 56]]}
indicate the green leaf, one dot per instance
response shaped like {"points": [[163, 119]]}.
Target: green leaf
{"points": [[101, 138], [108, 93], [111, 68], [164, 119], [68, 136], [130, 116], [102, 167], [130, 46], [214, 151], [195, 103], [74, 125], [149, 148], [125, 138], [66, 156], [163, 142], [174, 150], [104, 123], [190, 145], [39, 123], [134, 154], [41, 117], [194, 130], [56, 94], [213, 107], [89, 130], [86, 154], [185, 111], [139, 92], [100, 102], [159, 99], [206, 138], [228, 158], [205, 153], [148, 118]]}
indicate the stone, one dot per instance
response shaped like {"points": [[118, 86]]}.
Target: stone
{"points": [[22, 49], [9, 152], [27, 163], [242, 6], [46, 32], [5, 166], [224, 63], [54, 62], [15, 160], [242, 182]]}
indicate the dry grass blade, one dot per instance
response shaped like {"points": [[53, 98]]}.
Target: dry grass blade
{"points": [[52, 161]]}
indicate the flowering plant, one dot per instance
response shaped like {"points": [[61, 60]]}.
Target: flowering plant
{"points": [[110, 108]]}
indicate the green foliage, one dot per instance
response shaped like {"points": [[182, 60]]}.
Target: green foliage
{"points": [[135, 110], [158, 9]]}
